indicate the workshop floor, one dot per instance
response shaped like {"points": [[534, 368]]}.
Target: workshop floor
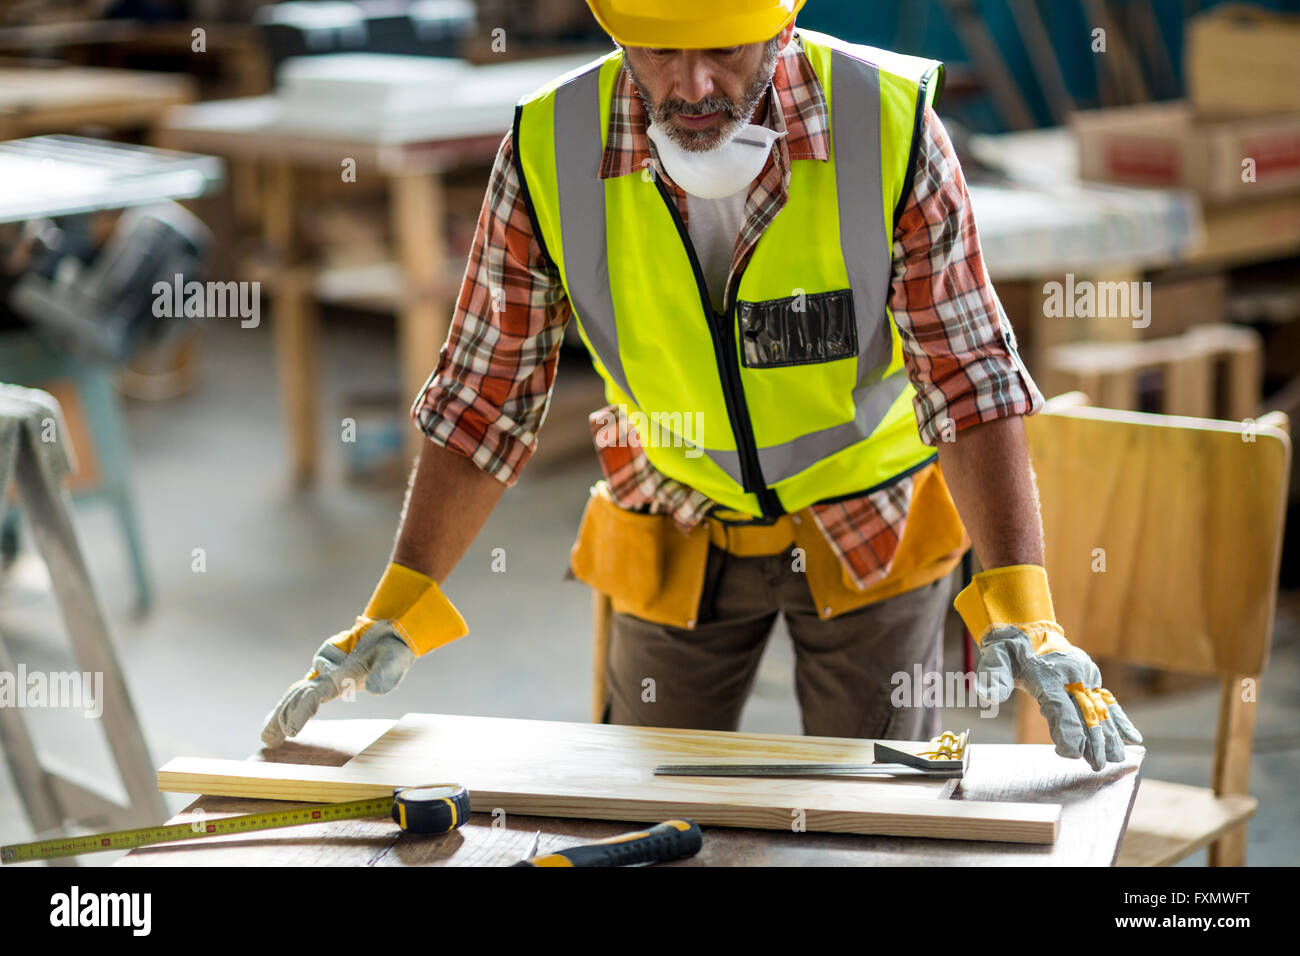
{"points": [[285, 570]]}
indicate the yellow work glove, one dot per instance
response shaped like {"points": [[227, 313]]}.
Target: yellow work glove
{"points": [[408, 615], [1009, 613]]}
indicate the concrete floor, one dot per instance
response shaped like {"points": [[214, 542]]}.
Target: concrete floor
{"points": [[286, 570]]}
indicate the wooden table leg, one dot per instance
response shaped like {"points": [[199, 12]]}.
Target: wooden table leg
{"points": [[294, 322], [1233, 741], [602, 617], [418, 213]]}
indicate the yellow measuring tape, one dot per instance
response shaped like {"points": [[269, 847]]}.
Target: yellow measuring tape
{"points": [[434, 808]]}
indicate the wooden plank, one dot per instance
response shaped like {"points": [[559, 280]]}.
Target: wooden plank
{"points": [[591, 757], [1094, 808], [269, 781], [484, 841], [600, 772], [899, 816]]}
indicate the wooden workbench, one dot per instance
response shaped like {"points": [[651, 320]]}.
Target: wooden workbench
{"points": [[1095, 809], [1044, 222], [62, 100], [247, 131], [267, 135]]}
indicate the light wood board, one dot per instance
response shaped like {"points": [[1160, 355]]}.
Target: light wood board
{"points": [[601, 772], [1186, 514]]}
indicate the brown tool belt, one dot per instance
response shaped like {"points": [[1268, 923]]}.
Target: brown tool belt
{"points": [[650, 569]]}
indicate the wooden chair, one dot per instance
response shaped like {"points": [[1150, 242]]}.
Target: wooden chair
{"points": [[1187, 516], [1163, 540]]}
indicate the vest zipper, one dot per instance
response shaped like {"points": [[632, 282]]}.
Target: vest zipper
{"points": [[722, 328]]}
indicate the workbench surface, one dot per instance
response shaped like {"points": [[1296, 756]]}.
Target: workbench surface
{"points": [[1095, 809]]}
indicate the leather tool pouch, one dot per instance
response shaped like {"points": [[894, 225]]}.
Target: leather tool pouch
{"points": [[643, 562], [802, 330]]}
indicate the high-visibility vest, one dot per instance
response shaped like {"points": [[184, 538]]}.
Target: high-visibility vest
{"points": [[797, 393]]}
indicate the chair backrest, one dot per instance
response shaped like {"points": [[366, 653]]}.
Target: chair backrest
{"points": [[1163, 534]]}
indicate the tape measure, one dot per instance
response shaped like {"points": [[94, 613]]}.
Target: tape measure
{"points": [[427, 809]]}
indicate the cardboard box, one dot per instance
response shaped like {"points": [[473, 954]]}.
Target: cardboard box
{"points": [[1241, 60], [1167, 145]]}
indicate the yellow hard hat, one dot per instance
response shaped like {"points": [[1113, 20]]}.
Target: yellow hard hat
{"points": [[693, 24]]}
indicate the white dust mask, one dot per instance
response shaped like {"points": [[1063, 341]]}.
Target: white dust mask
{"points": [[719, 172]]}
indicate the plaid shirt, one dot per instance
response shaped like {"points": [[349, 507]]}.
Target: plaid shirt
{"points": [[488, 397]]}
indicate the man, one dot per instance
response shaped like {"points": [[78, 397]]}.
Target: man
{"points": [[766, 242]]}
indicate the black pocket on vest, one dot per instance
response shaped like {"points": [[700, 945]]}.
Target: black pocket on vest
{"points": [[800, 330]]}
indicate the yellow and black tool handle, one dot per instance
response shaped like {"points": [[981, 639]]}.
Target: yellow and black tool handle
{"points": [[671, 840]]}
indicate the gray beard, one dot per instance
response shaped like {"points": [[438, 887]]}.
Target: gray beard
{"points": [[738, 114]]}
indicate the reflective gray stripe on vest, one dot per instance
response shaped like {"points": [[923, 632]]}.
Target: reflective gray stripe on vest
{"points": [[780, 462], [786, 460], [578, 155], [868, 256]]}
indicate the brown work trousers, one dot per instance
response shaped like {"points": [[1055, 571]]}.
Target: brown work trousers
{"points": [[659, 676]]}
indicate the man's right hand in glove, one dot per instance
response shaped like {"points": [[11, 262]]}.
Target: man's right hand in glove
{"points": [[1010, 616], [407, 616]]}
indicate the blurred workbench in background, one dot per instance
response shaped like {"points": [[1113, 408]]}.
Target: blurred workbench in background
{"points": [[287, 143], [1043, 223], [230, 59], [34, 100]]}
